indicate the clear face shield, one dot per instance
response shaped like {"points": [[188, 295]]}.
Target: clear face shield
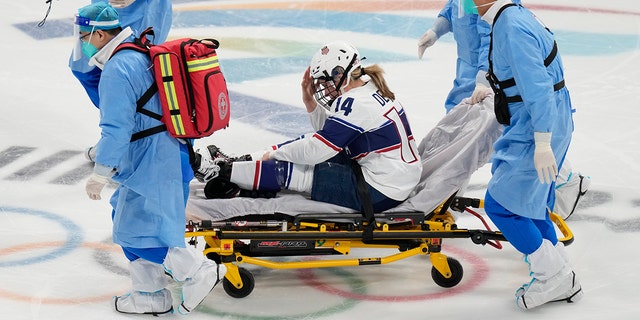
{"points": [[82, 24], [77, 49], [327, 88]]}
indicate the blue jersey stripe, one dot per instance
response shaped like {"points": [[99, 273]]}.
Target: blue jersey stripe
{"points": [[338, 133]]}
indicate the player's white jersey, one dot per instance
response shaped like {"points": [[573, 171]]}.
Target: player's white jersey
{"points": [[370, 129]]}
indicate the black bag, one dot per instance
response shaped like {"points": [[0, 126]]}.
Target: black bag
{"points": [[500, 103]]}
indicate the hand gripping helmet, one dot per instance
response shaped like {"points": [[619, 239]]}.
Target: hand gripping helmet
{"points": [[331, 69]]}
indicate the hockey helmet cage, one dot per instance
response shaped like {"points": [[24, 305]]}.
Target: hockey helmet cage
{"points": [[331, 69]]}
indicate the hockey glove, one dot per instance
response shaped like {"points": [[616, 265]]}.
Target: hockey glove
{"points": [[543, 158]]}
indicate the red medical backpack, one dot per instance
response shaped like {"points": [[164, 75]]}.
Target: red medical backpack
{"points": [[191, 87]]}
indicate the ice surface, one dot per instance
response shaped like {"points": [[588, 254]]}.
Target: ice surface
{"points": [[56, 258]]}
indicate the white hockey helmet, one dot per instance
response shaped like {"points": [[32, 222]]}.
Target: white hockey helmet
{"points": [[331, 69]]}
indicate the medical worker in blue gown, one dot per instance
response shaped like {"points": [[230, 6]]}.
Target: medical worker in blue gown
{"points": [[149, 202], [531, 149], [138, 15], [471, 35]]}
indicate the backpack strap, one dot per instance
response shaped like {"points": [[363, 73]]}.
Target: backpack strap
{"points": [[512, 82], [142, 44], [146, 96], [509, 82]]}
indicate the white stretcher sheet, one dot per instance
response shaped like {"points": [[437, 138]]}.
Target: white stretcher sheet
{"points": [[456, 147]]}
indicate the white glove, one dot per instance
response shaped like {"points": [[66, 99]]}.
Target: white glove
{"points": [[479, 93], [426, 41], [120, 3], [543, 158], [94, 186]]}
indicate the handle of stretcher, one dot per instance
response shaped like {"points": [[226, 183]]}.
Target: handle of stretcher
{"points": [[461, 204]]}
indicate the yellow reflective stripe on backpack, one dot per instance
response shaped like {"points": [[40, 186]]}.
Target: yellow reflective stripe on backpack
{"points": [[203, 64], [170, 93]]}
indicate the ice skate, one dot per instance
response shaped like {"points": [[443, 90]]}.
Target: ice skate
{"points": [[157, 303], [257, 194], [196, 289], [221, 188], [212, 163]]}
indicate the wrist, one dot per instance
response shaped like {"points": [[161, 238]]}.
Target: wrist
{"points": [[480, 86], [102, 170], [435, 34], [99, 178], [542, 137], [441, 26], [481, 78], [542, 140]]}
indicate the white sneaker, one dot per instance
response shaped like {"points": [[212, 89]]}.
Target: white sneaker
{"points": [[196, 289], [137, 302], [563, 285]]}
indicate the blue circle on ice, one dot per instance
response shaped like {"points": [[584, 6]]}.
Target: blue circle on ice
{"points": [[73, 240]]}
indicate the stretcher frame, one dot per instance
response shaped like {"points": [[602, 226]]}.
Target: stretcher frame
{"points": [[411, 233]]}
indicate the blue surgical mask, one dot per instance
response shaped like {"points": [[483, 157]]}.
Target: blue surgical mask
{"points": [[469, 7], [89, 49]]}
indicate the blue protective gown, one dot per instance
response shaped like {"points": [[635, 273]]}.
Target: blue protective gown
{"points": [[472, 38], [138, 16], [521, 44], [149, 203]]}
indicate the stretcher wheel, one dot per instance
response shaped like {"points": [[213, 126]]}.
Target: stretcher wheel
{"points": [[247, 285], [456, 274]]}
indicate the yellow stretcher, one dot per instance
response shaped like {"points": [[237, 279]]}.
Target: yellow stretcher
{"points": [[278, 235]]}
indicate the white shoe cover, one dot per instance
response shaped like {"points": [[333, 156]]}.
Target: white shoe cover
{"points": [[552, 277], [574, 294], [137, 302], [564, 286], [196, 289]]}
